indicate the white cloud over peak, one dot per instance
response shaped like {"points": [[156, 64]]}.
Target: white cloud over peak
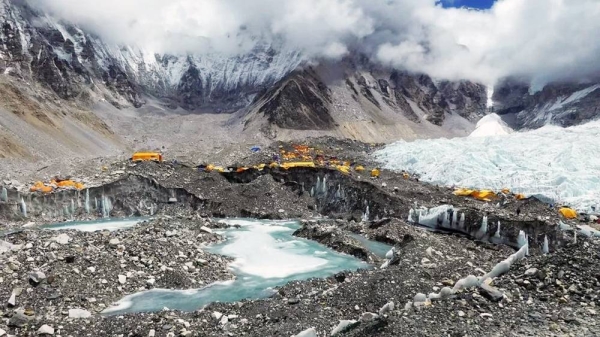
{"points": [[544, 40]]}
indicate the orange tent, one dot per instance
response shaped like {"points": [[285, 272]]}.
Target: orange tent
{"points": [[568, 213]]}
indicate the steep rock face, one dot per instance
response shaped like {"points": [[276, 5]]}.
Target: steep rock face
{"points": [[301, 102], [356, 97], [564, 104]]}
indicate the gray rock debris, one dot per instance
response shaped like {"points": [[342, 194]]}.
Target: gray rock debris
{"points": [[19, 319]]}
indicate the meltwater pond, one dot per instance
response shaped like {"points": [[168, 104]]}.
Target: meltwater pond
{"points": [[266, 255]]}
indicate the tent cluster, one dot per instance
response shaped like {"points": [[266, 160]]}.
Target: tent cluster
{"points": [[301, 156], [56, 183], [486, 195]]}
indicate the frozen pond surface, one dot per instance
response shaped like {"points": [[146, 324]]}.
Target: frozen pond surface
{"points": [[377, 248], [99, 225], [266, 255]]}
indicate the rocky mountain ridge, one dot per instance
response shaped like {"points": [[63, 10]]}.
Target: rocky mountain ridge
{"points": [[363, 96], [564, 104], [71, 62]]}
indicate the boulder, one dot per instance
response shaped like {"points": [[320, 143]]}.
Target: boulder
{"points": [[343, 326], [216, 315], [45, 330], [36, 277], [367, 317], [79, 313], [62, 239], [388, 307], [311, 332]]}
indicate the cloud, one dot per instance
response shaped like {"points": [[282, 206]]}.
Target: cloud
{"points": [[543, 40]]}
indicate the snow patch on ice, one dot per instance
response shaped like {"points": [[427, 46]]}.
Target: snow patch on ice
{"points": [[491, 125], [561, 164]]}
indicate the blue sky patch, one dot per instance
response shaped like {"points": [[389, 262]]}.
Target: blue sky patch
{"points": [[479, 4]]}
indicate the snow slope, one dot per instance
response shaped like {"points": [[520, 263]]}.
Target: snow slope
{"points": [[491, 125], [561, 164]]}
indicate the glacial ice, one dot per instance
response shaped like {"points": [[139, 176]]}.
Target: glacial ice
{"points": [[23, 207], [545, 248], [561, 164]]}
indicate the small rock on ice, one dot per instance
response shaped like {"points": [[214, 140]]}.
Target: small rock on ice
{"points": [[122, 279], [217, 315], [206, 229]]}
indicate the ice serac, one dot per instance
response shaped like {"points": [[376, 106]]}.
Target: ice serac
{"points": [[560, 164]]}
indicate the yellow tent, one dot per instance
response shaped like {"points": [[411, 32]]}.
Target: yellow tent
{"points": [[375, 173], [485, 195], [286, 166], [343, 169], [359, 168], [568, 213], [462, 192]]}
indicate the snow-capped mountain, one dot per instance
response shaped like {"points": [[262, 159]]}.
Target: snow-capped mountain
{"points": [[269, 84], [35, 46]]}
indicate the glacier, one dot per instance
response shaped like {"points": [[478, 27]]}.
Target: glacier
{"points": [[561, 165]]}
